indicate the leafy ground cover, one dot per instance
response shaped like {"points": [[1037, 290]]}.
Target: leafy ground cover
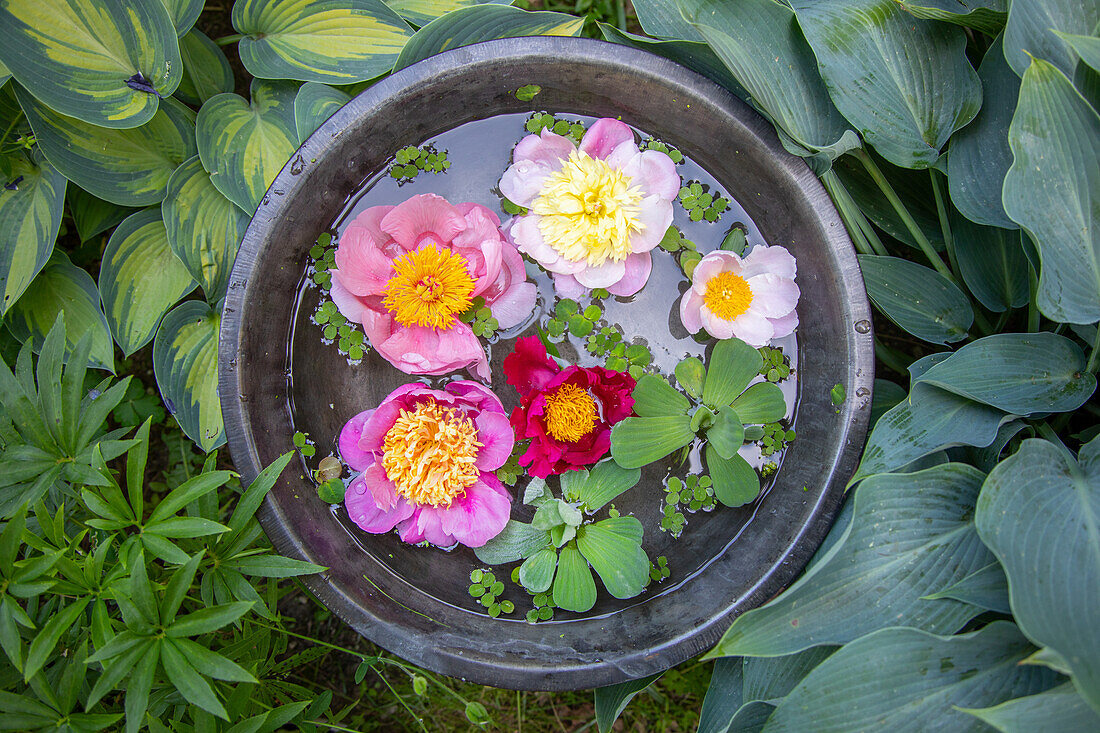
{"points": [[958, 589]]}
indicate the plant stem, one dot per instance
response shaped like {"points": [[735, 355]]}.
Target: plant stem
{"points": [[620, 15], [945, 226], [401, 700], [228, 40], [907, 218], [14, 122], [1032, 306], [848, 211]]}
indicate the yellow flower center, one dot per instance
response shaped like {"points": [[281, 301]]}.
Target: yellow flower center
{"points": [[589, 210], [728, 295], [429, 454], [429, 287], [570, 413]]}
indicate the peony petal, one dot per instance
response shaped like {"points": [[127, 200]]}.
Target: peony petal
{"points": [[773, 296], [657, 175], [719, 260], [522, 182], [547, 148], [479, 515], [601, 276], [528, 368], [361, 266], [775, 260], [690, 305], [784, 326], [494, 432], [420, 215], [566, 286], [481, 237], [368, 224], [474, 394], [638, 267], [349, 305], [603, 137], [348, 442], [468, 206], [422, 350], [656, 218], [717, 327], [380, 486], [511, 298], [624, 157], [753, 328], [527, 235], [425, 525], [367, 515]]}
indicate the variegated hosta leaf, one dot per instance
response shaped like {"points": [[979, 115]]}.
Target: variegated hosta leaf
{"points": [[335, 41], [106, 63], [422, 12], [475, 24], [63, 287], [31, 203], [140, 279], [185, 362], [314, 104], [93, 215], [4, 74], [183, 13], [126, 167], [204, 227], [243, 145], [206, 71]]}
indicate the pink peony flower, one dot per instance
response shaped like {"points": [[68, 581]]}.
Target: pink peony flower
{"points": [[427, 459], [594, 211], [751, 297], [407, 272]]}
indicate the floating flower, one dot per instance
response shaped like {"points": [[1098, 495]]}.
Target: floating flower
{"points": [[567, 413], [427, 459], [408, 272], [751, 297], [594, 211]]}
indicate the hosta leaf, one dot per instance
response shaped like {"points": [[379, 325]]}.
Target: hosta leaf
{"points": [[516, 541], [760, 403], [1030, 32], [1039, 513], [62, 287], [4, 74], [727, 434], [1053, 188], [243, 145], [537, 572], [988, 16], [770, 679], [910, 535], [204, 227], [185, 361], [979, 155], [466, 26], [93, 215], [1086, 47], [183, 13], [763, 47], [206, 71], [127, 167], [914, 188], [335, 41], [903, 82], [78, 56], [917, 298], [655, 397], [314, 104], [985, 588], [732, 365], [735, 481], [992, 264], [724, 696], [30, 215], [887, 395], [612, 549], [611, 701], [909, 680], [637, 441], [422, 12], [574, 588], [662, 19], [604, 484], [140, 279], [1057, 709]]}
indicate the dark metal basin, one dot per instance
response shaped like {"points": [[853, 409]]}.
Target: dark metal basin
{"points": [[413, 601]]}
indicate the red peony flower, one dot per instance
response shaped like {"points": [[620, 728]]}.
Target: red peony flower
{"points": [[567, 413]]}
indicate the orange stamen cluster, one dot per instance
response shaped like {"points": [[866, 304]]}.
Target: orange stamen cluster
{"points": [[430, 452], [429, 287], [570, 413]]}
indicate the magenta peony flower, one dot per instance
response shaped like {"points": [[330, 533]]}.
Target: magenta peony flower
{"points": [[407, 272], [427, 458], [751, 297], [594, 211]]}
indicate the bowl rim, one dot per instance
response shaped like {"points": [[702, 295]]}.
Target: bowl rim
{"points": [[631, 663]]}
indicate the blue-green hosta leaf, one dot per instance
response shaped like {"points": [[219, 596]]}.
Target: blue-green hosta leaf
{"points": [[335, 41], [603, 484], [574, 588], [903, 82], [1019, 373], [662, 19], [314, 104], [1030, 32], [611, 701], [987, 16], [93, 215], [106, 63], [917, 298], [730, 368], [613, 549], [140, 279], [1057, 709], [910, 535], [466, 26], [1086, 47], [979, 155], [183, 13], [243, 145], [1039, 513], [204, 227], [126, 167], [637, 441], [725, 695], [887, 395], [1053, 190], [655, 397], [908, 680], [206, 71], [735, 482], [185, 361], [761, 43], [30, 214], [422, 12], [770, 679], [62, 287], [4, 74], [992, 264], [985, 588], [914, 188]]}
